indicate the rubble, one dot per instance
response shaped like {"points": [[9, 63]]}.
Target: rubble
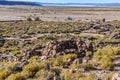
{"points": [[117, 63], [116, 35], [2, 41], [68, 46], [116, 76]]}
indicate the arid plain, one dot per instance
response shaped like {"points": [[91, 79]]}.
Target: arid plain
{"points": [[59, 13], [59, 43]]}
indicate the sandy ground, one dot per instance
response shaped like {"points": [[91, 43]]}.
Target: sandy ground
{"points": [[59, 13]]}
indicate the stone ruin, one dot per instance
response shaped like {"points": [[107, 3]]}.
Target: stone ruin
{"points": [[117, 62], [67, 46]]}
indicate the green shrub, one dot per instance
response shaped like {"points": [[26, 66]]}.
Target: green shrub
{"points": [[16, 76], [106, 63], [67, 75], [87, 66], [40, 73], [30, 70], [58, 61], [3, 75], [69, 56], [88, 77], [105, 56]]}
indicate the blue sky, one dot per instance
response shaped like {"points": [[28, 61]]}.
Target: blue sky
{"points": [[73, 1]]}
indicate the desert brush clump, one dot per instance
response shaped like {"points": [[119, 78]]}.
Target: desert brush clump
{"points": [[105, 56], [7, 69], [16, 76], [64, 59]]}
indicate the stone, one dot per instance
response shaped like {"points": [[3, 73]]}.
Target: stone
{"points": [[37, 19], [2, 41], [77, 61], [57, 78], [116, 76], [68, 46]]}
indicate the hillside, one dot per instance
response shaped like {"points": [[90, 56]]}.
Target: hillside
{"points": [[19, 3]]}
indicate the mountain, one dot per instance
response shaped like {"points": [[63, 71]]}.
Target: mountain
{"points": [[80, 4], [3, 2]]}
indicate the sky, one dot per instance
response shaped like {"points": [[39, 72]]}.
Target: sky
{"points": [[72, 1]]}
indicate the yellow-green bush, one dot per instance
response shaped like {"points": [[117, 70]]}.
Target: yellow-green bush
{"points": [[30, 70], [3, 75], [106, 63], [16, 76], [69, 56], [40, 73], [72, 76], [67, 75], [105, 56], [88, 77], [58, 61]]}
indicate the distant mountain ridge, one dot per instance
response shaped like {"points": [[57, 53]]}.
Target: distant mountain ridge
{"points": [[2, 2], [80, 4]]}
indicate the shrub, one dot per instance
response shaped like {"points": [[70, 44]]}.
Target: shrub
{"points": [[27, 74], [106, 63], [105, 56], [58, 61], [30, 69], [56, 70], [9, 67], [40, 73], [87, 66], [69, 56], [67, 75], [3, 75], [77, 75], [76, 66], [17, 76], [88, 77]]}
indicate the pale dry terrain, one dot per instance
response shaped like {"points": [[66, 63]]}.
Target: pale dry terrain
{"points": [[59, 13]]}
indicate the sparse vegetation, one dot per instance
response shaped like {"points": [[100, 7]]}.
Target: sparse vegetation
{"points": [[37, 49]]}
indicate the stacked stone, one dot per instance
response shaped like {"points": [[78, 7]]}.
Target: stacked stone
{"points": [[68, 46], [117, 63]]}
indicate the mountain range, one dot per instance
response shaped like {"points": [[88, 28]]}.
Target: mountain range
{"points": [[4, 2], [80, 4]]}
